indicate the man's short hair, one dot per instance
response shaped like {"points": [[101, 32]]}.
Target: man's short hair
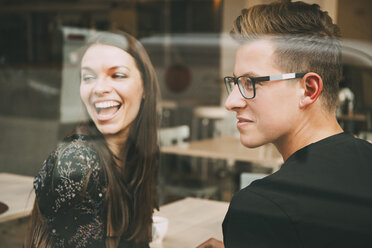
{"points": [[304, 37]]}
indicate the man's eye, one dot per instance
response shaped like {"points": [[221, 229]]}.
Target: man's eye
{"points": [[119, 76], [247, 83]]}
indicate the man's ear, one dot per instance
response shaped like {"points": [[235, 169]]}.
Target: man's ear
{"points": [[312, 85]]}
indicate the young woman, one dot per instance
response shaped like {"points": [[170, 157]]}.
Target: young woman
{"points": [[97, 189]]}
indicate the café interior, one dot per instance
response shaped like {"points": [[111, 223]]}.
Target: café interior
{"points": [[202, 163]]}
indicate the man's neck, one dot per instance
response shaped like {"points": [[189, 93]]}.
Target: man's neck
{"points": [[308, 131]]}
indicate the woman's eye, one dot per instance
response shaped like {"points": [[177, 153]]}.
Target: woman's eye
{"points": [[88, 77], [119, 76]]}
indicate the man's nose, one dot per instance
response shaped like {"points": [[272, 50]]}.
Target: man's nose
{"points": [[235, 100]]}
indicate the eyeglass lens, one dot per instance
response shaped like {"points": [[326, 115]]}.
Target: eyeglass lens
{"points": [[245, 85]]}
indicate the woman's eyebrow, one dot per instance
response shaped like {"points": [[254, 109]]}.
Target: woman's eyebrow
{"points": [[119, 67], [86, 68], [109, 69]]}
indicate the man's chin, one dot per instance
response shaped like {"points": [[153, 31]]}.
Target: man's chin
{"points": [[250, 142]]}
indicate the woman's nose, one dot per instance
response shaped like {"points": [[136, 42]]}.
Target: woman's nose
{"points": [[102, 86], [235, 100]]}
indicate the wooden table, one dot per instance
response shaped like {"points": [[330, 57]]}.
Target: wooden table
{"points": [[191, 222], [228, 148], [352, 117], [16, 191]]}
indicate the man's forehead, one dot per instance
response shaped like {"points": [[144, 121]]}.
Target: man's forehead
{"points": [[257, 45], [254, 57]]}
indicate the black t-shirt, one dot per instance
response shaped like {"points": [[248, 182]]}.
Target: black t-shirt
{"points": [[321, 197]]}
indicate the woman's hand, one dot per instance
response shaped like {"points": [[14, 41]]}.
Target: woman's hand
{"points": [[212, 243]]}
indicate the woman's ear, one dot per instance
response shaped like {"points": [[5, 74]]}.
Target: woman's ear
{"points": [[312, 85]]}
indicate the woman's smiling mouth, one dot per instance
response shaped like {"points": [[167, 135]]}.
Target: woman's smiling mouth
{"points": [[106, 109]]}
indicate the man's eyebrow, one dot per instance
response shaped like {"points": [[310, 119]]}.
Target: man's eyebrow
{"points": [[249, 74]]}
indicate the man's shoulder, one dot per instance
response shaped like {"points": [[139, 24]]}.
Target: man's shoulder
{"points": [[258, 195], [256, 218], [334, 150], [346, 149], [365, 145], [344, 139]]}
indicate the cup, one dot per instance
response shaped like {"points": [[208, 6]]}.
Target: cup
{"points": [[159, 229]]}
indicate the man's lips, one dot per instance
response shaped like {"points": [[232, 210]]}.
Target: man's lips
{"points": [[243, 120]]}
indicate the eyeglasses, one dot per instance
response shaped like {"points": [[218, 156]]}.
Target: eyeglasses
{"points": [[247, 85]]}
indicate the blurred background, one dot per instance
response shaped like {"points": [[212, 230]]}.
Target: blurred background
{"points": [[188, 42]]}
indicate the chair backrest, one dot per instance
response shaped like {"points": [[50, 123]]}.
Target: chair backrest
{"points": [[173, 135], [366, 135], [226, 126], [247, 178]]}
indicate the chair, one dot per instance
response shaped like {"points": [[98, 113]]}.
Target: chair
{"points": [[366, 136], [168, 111], [173, 135], [186, 182], [203, 120], [247, 178]]}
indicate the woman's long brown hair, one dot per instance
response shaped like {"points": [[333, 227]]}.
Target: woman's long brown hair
{"points": [[131, 187]]}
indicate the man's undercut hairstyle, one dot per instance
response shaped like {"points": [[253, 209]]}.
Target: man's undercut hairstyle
{"points": [[304, 37]]}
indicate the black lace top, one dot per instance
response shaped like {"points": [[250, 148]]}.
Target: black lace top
{"points": [[75, 219]]}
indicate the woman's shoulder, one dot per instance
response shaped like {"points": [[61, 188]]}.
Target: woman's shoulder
{"points": [[70, 189], [73, 145], [77, 151], [70, 163]]}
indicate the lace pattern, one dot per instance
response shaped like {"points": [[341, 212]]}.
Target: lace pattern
{"points": [[75, 219]]}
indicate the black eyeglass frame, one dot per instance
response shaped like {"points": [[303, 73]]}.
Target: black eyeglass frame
{"points": [[255, 80]]}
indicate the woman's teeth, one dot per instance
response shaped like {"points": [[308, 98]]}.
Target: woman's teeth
{"points": [[107, 108], [107, 104]]}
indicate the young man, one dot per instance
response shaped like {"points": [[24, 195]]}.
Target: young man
{"points": [[284, 91]]}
